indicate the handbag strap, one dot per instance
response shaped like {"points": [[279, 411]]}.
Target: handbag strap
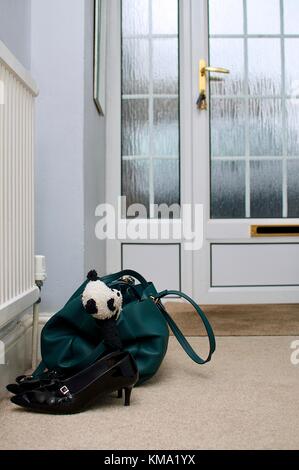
{"points": [[177, 332], [125, 272]]}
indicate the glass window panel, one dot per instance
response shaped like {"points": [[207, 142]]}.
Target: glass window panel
{"points": [[262, 122], [292, 65], [265, 127], [227, 127], [135, 127], [150, 124], [291, 16], [135, 17], [292, 107], [264, 66], [266, 188], [263, 16], [165, 16], [228, 19], [228, 189], [165, 66], [230, 54], [135, 66], [166, 182], [166, 127], [135, 182], [293, 188]]}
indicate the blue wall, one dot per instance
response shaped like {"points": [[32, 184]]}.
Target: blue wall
{"points": [[15, 20], [70, 148]]}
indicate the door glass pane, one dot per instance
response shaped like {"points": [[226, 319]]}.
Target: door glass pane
{"points": [[165, 17], [150, 102], [135, 72], [258, 122], [165, 66], [228, 20], [135, 15], [293, 188], [135, 127], [228, 198], [266, 188], [230, 52], [264, 75], [166, 194], [136, 182], [165, 127], [291, 16], [265, 127], [263, 16], [228, 127], [292, 65], [292, 112]]}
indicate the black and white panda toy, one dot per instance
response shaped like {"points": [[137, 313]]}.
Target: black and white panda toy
{"points": [[105, 305]]}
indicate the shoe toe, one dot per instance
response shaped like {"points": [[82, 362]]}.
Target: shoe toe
{"points": [[20, 400], [13, 388]]}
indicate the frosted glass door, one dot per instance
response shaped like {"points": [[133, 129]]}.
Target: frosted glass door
{"points": [[150, 103], [254, 112]]}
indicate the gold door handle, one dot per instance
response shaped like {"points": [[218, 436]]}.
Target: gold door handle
{"points": [[203, 69]]}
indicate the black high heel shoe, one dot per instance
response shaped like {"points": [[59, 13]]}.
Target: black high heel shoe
{"points": [[24, 383], [114, 372]]}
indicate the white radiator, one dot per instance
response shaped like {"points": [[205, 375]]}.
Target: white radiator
{"points": [[17, 94]]}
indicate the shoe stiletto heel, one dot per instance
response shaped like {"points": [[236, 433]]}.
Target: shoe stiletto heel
{"points": [[120, 393], [128, 392]]}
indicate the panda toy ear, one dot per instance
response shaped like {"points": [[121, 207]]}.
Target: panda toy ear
{"points": [[92, 275], [91, 307]]}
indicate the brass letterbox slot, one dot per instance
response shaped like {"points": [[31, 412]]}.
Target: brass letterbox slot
{"points": [[275, 230]]}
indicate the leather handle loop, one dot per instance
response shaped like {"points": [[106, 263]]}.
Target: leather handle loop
{"points": [[179, 335], [125, 272], [129, 287]]}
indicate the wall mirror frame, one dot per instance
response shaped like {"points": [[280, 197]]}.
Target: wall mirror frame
{"points": [[100, 32]]}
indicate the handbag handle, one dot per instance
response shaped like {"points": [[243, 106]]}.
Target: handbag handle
{"points": [[125, 272], [177, 332], [128, 286]]}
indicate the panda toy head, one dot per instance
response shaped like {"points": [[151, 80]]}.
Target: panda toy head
{"points": [[99, 300]]}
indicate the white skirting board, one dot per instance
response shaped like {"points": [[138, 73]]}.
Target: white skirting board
{"points": [[16, 342]]}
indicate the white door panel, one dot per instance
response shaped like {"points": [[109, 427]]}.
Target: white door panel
{"points": [[254, 265], [157, 263]]}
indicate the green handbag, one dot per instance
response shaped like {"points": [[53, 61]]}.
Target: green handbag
{"points": [[70, 339]]}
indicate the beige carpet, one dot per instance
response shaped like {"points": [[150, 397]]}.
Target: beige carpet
{"points": [[239, 320], [246, 398]]}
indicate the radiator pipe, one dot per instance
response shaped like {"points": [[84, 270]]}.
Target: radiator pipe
{"points": [[40, 276], [35, 325], [35, 335]]}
